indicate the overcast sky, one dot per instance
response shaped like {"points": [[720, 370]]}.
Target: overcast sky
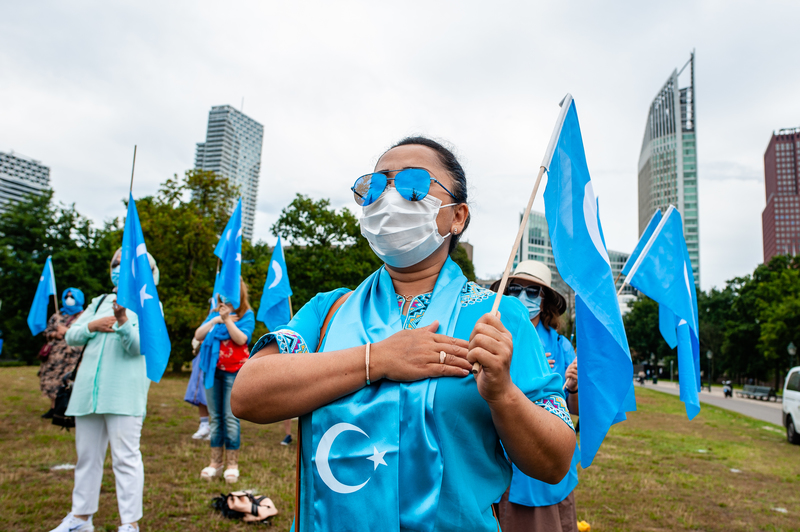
{"points": [[335, 83]]}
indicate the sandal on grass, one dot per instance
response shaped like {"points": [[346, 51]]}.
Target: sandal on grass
{"points": [[231, 475], [210, 472]]}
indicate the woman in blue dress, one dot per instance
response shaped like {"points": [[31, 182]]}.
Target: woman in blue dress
{"points": [[530, 504], [395, 432]]}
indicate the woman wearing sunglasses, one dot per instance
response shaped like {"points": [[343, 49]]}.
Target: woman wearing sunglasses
{"points": [[396, 434], [530, 504]]}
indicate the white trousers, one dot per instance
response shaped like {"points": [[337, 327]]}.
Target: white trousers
{"points": [[93, 433]]}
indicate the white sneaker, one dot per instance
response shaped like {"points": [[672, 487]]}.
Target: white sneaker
{"points": [[73, 524], [203, 433], [127, 528]]}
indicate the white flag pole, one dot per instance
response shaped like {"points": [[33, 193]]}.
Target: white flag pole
{"points": [[548, 156], [646, 249]]}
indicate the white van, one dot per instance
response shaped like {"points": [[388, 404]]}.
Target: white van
{"points": [[791, 405]]}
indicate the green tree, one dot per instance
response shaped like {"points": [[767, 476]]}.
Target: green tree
{"points": [[460, 257], [32, 230], [181, 226], [326, 249], [644, 336]]}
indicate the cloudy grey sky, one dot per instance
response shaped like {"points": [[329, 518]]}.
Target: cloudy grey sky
{"points": [[335, 83]]}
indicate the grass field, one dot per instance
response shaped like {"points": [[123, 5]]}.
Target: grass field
{"points": [[649, 474]]}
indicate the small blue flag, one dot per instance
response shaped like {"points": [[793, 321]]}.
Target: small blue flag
{"points": [[648, 231], [229, 250], [137, 292], [275, 310], [663, 272], [605, 371], [37, 316]]}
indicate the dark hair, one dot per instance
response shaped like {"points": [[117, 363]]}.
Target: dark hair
{"points": [[549, 314], [453, 167]]}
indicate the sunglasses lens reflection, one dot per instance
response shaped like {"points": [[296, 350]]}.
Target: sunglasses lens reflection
{"points": [[413, 183], [368, 188]]}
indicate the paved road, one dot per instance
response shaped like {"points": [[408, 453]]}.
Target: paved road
{"points": [[763, 410]]}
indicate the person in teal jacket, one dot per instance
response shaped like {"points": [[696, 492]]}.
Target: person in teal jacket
{"points": [[530, 504], [109, 400]]}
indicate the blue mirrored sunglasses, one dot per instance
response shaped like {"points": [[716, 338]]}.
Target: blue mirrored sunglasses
{"points": [[412, 183]]}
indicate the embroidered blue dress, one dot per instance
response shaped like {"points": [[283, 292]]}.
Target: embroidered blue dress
{"points": [[473, 470], [524, 489]]}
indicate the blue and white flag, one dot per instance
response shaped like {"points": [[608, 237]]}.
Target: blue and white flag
{"points": [[275, 310], [229, 250], [37, 316], [605, 371], [648, 231], [137, 292], [663, 272]]}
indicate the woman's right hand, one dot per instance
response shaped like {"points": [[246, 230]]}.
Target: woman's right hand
{"points": [[415, 354], [103, 325]]}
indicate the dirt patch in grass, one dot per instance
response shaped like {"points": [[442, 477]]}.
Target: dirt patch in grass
{"points": [[648, 475]]}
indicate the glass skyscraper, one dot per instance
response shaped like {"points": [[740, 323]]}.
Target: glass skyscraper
{"points": [[233, 150], [20, 176], [781, 217], [668, 161]]}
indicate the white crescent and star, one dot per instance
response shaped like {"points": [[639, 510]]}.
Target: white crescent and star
{"points": [[323, 452], [278, 274]]}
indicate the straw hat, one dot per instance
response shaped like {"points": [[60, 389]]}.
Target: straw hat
{"points": [[539, 273]]}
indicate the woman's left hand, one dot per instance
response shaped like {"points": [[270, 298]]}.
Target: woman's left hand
{"points": [[571, 377], [121, 314], [491, 345]]}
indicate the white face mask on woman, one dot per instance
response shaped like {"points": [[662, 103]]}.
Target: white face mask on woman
{"points": [[402, 233]]}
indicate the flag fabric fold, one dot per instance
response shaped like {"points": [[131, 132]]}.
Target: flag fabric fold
{"points": [[274, 310], [663, 272], [137, 292], [37, 316], [605, 371], [229, 250]]}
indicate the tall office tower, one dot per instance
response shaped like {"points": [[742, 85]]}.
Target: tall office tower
{"points": [[233, 150], [20, 176], [668, 161], [780, 221], [536, 246]]}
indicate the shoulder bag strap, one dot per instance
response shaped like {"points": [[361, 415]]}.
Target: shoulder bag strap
{"points": [[322, 333]]}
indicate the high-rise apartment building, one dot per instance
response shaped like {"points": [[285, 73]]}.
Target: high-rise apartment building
{"points": [[780, 221], [668, 160], [20, 176], [233, 150]]}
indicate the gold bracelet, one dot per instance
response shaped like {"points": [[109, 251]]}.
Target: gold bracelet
{"points": [[367, 364]]}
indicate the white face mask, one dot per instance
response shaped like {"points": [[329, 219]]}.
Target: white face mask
{"points": [[69, 301], [402, 233]]}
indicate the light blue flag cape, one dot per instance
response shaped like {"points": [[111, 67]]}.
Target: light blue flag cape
{"points": [[274, 309], [137, 292], [663, 272], [605, 371], [37, 316], [648, 231], [365, 446], [229, 250]]}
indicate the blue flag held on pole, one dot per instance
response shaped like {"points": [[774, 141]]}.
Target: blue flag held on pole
{"points": [[605, 371], [37, 316], [137, 292], [648, 231], [663, 272], [275, 310], [229, 250]]}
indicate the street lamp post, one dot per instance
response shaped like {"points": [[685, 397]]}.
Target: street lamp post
{"points": [[792, 350], [710, 357]]}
